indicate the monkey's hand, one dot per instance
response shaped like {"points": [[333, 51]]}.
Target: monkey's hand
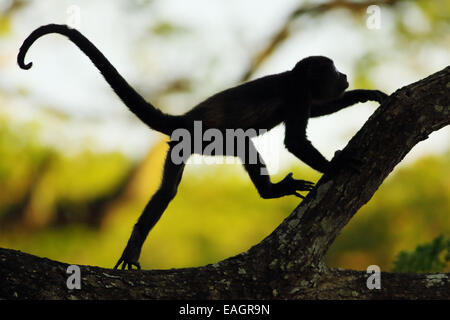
{"points": [[130, 255], [341, 161], [290, 186], [378, 96]]}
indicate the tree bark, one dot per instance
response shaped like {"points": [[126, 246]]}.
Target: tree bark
{"points": [[287, 264]]}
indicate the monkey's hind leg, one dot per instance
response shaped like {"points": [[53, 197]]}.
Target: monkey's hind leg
{"points": [[154, 209], [257, 171]]}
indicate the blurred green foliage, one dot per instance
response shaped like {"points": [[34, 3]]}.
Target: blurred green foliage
{"points": [[422, 21], [411, 207], [166, 28], [429, 257], [5, 25], [41, 186], [21, 159]]}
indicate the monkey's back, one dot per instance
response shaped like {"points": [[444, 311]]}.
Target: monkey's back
{"points": [[258, 104]]}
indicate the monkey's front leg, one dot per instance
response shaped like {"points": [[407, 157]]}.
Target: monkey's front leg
{"points": [[152, 212], [349, 98], [361, 95]]}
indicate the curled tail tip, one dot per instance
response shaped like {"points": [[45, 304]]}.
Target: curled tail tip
{"points": [[25, 66], [21, 60], [37, 33]]}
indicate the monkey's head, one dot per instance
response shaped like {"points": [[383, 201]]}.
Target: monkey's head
{"points": [[319, 75]]}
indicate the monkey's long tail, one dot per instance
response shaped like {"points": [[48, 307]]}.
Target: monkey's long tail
{"points": [[145, 111]]}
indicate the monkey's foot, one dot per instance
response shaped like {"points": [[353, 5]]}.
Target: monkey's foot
{"points": [[130, 255], [291, 186], [126, 262]]}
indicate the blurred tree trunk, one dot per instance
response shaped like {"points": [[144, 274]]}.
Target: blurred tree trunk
{"points": [[287, 264]]}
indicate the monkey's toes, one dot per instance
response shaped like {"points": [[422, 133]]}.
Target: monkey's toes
{"points": [[303, 185], [126, 264]]}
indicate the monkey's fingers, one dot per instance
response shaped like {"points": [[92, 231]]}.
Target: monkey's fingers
{"points": [[297, 182], [127, 265], [119, 262], [303, 185], [299, 195], [380, 96], [136, 264]]}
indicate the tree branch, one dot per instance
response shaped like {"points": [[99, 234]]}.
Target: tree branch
{"points": [[287, 264]]}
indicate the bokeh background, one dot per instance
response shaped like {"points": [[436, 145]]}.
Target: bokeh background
{"points": [[77, 168]]}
